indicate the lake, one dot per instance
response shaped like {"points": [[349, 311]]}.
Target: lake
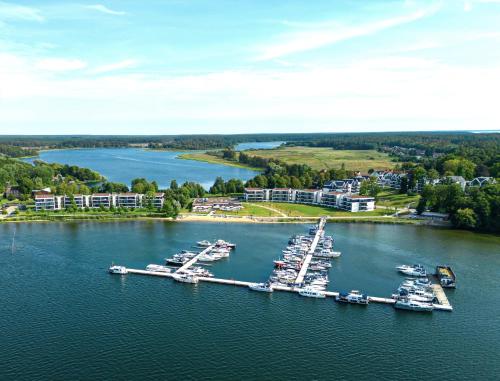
{"points": [[63, 317], [257, 145], [125, 164]]}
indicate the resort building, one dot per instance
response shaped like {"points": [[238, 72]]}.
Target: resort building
{"points": [[44, 201], [257, 194], [481, 181], [128, 200], [344, 186], [159, 200], [283, 195], [308, 196], [331, 199], [106, 200], [81, 201], [355, 203]]}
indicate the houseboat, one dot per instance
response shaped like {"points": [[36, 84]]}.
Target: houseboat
{"points": [[446, 276]]}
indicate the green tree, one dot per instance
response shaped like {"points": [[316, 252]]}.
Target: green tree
{"points": [[464, 218]]}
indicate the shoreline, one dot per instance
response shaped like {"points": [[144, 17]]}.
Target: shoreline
{"points": [[226, 219]]}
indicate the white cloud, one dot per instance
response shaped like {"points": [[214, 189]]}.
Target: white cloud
{"points": [[9, 11], [324, 36], [467, 6], [103, 9], [60, 64], [125, 64], [395, 91]]}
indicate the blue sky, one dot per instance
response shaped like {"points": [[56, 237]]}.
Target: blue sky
{"points": [[171, 67]]}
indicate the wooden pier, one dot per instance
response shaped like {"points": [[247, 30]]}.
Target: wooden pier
{"points": [[193, 260], [310, 252], [443, 302]]}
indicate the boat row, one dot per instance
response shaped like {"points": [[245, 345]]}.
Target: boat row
{"points": [[415, 295], [212, 252], [288, 266]]}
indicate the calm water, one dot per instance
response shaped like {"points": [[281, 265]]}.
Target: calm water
{"points": [[125, 164], [63, 317], [257, 145]]}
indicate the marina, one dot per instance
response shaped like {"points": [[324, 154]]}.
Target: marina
{"points": [[297, 273]]}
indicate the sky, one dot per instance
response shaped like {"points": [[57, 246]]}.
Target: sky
{"points": [[180, 66]]}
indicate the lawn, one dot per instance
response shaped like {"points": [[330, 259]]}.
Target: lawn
{"points": [[301, 210], [391, 198], [327, 158], [251, 210]]}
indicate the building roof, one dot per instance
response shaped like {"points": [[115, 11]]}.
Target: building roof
{"points": [[360, 197], [127, 194], [44, 195], [253, 189], [281, 189], [101, 194]]}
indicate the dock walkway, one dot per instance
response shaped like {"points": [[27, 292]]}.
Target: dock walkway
{"points": [[443, 302], [312, 249], [193, 260]]}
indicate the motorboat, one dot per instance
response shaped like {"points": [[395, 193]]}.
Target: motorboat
{"points": [[204, 243], [262, 287], [413, 305], [311, 292], [121, 270], [354, 297], [185, 278], [222, 243], [158, 268]]}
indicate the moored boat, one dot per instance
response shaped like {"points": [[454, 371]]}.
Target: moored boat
{"points": [[354, 297], [413, 305], [446, 276], [311, 292], [121, 270], [158, 268], [262, 287], [185, 278]]}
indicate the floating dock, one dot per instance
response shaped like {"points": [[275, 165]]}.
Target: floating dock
{"points": [[443, 302], [193, 260], [312, 248], [442, 305]]}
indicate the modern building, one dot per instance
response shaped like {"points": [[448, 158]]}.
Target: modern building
{"points": [[308, 196], [44, 201], [81, 201], [159, 200], [257, 194], [105, 200], [283, 195], [356, 203], [128, 200], [331, 199]]}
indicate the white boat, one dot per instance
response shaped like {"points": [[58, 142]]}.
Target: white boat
{"points": [[414, 272], [222, 243], [122, 270], [413, 305], [204, 243], [311, 292], [354, 297], [185, 278], [158, 268], [263, 287]]}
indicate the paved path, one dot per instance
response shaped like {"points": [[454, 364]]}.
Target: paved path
{"points": [[271, 209], [10, 210]]}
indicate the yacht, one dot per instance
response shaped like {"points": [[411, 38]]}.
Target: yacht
{"points": [[185, 278], [222, 243], [352, 297], [263, 287], [311, 292], [413, 305], [122, 270], [204, 243], [158, 268]]}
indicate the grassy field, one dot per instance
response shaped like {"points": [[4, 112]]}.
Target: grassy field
{"points": [[300, 210], [391, 198], [252, 210], [327, 158], [199, 156]]}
